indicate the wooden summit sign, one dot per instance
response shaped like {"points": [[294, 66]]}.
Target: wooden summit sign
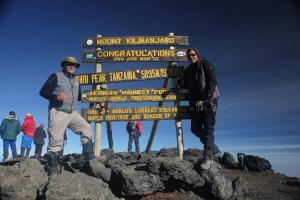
{"points": [[134, 55], [138, 95], [137, 113], [131, 75], [135, 40]]}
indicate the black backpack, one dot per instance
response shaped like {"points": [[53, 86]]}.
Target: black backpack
{"points": [[131, 126]]}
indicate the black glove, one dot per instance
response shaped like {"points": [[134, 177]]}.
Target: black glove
{"points": [[208, 103]]}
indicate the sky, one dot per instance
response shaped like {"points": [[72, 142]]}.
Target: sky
{"points": [[253, 45]]}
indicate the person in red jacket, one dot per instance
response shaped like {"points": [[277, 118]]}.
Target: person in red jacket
{"points": [[28, 128], [134, 129]]}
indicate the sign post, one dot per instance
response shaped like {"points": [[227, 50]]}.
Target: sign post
{"points": [[178, 122], [103, 97], [97, 135]]}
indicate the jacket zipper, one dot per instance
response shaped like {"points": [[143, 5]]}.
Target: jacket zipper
{"points": [[72, 87]]}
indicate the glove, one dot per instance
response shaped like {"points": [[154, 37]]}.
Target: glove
{"points": [[102, 108], [210, 105], [199, 105]]}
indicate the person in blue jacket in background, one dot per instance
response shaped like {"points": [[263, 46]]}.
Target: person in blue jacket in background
{"points": [[10, 128]]}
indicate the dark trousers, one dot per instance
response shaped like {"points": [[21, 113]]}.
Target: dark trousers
{"points": [[134, 135], [202, 125], [38, 149]]}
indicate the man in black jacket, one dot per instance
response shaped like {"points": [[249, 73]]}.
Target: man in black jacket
{"points": [[39, 141], [200, 79]]}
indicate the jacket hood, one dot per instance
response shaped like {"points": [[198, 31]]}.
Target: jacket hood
{"points": [[28, 117], [11, 118]]}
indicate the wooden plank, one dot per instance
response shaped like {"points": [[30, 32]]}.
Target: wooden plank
{"points": [[136, 110], [137, 113], [134, 55], [141, 116], [131, 75], [138, 95], [135, 40]]}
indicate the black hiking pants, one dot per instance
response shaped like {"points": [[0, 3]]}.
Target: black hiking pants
{"points": [[202, 125]]}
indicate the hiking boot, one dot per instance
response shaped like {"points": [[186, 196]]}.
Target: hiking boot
{"points": [[22, 153], [27, 153], [206, 164], [88, 150], [5, 159], [15, 155], [5, 155], [52, 164]]}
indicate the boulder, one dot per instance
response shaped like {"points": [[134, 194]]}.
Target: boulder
{"points": [[106, 155], [193, 155], [23, 180], [170, 152], [73, 186], [175, 173], [258, 164], [228, 161], [240, 189], [129, 182], [219, 186], [97, 169]]}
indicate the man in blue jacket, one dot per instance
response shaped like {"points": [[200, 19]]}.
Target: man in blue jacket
{"points": [[10, 128]]}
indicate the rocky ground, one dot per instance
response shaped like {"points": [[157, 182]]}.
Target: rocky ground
{"points": [[156, 175]]}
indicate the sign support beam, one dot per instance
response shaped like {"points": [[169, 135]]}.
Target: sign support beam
{"points": [[178, 123], [155, 122], [97, 135]]}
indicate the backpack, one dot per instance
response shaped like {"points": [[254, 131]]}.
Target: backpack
{"points": [[139, 127], [131, 126]]}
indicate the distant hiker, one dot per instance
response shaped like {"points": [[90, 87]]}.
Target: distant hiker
{"points": [[10, 128], [200, 79], [61, 153], [62, 90], [134, 129], [39, 141], [28, 128]]}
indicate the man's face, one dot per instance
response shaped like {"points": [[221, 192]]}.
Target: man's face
{"points": [[192, 56], [70, 68]]}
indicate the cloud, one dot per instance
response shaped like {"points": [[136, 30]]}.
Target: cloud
{"points": [[262, 107], [260, 147]]}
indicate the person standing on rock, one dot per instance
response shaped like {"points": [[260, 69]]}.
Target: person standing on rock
{"points": [[134, 129], [28, 128], [62, 90], [200, 79], [9, 129], [39, 136]]}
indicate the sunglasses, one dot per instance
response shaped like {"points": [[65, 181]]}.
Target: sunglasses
{"points": [[191, 55], [70, 65]]}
